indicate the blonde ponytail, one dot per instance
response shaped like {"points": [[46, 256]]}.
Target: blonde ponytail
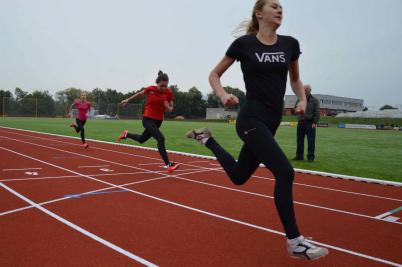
{"points": [[251, 27]]}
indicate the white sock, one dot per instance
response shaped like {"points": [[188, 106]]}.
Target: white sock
{"points": [[295, 241], [204, 140]]}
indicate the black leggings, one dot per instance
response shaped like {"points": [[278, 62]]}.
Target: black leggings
{"points": [[80, 128], [260, 147], [152, 130]]}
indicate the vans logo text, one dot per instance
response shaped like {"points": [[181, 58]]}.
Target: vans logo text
{"points": [[271, 57]]}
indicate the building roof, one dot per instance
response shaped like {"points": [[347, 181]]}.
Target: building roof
{"points": [[331, 102]]}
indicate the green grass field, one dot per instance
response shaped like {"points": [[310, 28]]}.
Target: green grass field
{"points": [[365, 153]]}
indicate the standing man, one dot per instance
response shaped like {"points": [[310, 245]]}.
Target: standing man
{"points": [[307, 124]]}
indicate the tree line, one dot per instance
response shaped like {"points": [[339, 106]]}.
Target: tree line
{"points": [[189, 104]]}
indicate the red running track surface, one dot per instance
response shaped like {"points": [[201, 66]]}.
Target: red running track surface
{"points": [[195, 217]]}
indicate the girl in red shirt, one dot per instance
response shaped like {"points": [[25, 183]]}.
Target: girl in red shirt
{"points": [[159, 100], [83, 107]]}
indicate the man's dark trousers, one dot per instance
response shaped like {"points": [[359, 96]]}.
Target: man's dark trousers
{"points": [[305, 128]]}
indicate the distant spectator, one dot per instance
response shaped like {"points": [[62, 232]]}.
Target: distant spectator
{"points": [[307, 124]]}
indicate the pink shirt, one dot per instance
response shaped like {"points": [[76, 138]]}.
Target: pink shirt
{"points": [[83, 109]]}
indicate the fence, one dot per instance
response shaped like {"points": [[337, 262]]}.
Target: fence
{"points": [[26, 107], [130, 111], [37, 107]]}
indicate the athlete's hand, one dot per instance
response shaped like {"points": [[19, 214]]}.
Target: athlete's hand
{"points": [[301, 107], [124, 102], [167, 106], [229, 100]]}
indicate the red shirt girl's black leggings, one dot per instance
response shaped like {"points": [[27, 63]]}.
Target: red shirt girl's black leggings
{"points": [[152, 130]]}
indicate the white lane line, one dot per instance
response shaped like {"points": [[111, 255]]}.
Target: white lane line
{"points": [[24, 169], [391, 219], [271, 197], [306, 185], [111, 162], [185, 170], [324, 174], [184, 164], [99, 166], [71, 176], [95, 175], [381, 216], [335, 190], [295, 183], [80, 229], [199, 161], [89, 192], [211, 214], [81, 156], [268, 179], [95, 191], [146, 164], [259, 177]]}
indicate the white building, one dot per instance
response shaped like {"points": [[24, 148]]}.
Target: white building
{"points": [[220, 114], [329, 104]]}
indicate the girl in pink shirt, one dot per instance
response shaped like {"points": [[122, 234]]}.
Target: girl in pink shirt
{"points": [[83, 107]]}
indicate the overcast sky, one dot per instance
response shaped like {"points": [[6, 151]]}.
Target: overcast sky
{"points": [[351, 48]]}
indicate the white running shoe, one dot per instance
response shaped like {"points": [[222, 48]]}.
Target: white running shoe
{"points": [[301, 248], [201, 135]]}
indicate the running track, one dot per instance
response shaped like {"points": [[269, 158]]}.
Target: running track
{"points": [[110, 205]]}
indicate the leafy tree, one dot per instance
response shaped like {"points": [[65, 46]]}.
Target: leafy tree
{"points": [[99, 99], [180, 100], [20, 94], [197, 104], [45, 103], [188, 104], [214, 101], [24, 104], [5, 102], [65, 98], [4, 93], [237, 92]]}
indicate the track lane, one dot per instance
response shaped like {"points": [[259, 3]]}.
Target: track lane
{"points": [[35, 239], [126, 162], [146, 153]]}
